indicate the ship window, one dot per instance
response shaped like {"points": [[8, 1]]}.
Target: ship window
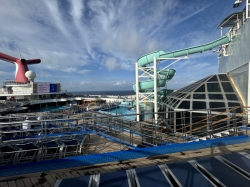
{"points": [[213, 79], [199, 105], [185, 105], [213, 87], [199, 96], [227, 87], [215, 96], [201, 89], [223, 77], [231, 97]]}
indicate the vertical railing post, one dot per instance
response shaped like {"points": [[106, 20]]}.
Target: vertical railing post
{"points": [[234, 122], [130, 134], [247, 13], [137, 92], [155, 91], [45, 129], [183, 116], [94, 117], [209, 124], [245, 121]]}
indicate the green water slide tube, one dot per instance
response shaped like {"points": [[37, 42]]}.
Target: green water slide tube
{"points": [[149, 84], [165, 92], [149, 58], [168, 74]]}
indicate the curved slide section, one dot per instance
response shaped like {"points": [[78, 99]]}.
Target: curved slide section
{"points": [[149, 84], [149, 58], [167, 75]]}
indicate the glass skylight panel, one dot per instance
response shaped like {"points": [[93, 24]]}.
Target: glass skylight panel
{"points": [[217, 105], [199, 96], [213, 79], [213, 87], [174, 93], [202, 97], [184, 105], [230, 104], [176, 103], [223, 77], [201, 89], [199, 105], [227, 87], [215, 96], [179, 95], [231, 97]]}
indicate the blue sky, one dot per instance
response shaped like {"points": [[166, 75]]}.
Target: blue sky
{"points": [[92, 45]]}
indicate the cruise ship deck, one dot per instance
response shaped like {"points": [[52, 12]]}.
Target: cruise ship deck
{"points": [[35, 174]]}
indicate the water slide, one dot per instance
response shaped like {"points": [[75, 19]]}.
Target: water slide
{"points": [[168, 74]]}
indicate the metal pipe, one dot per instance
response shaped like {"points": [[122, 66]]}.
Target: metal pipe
{"points": [[137, 92], [155, 91]]}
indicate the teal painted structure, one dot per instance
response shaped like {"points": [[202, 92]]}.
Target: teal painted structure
{"points": [[149, 58], [168, 74]]}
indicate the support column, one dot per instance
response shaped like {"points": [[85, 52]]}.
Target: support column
{"points": [[248, 91], [137, 92], [247, 9], [155, 91]]}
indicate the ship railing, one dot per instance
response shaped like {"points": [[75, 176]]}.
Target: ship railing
{"points": [[208, 124], [13, 82], [20, 92], [238, 24], [60, 135]]}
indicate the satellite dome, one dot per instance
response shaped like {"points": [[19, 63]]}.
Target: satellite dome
{"points": [[30, 75]]}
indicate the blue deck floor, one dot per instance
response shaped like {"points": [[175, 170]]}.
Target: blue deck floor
{"points": [[78, 161]]}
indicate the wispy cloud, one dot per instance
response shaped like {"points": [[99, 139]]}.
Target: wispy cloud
{"points": [[87, 41]]}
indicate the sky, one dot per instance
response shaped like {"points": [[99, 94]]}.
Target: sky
{"points": [[92, 45]]}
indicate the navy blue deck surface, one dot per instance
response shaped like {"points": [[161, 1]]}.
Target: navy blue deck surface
{"points": [[78, 161], [114, 179], [239, 160], [225, 174], [74, 182], [187, 175], [151, 176]]}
